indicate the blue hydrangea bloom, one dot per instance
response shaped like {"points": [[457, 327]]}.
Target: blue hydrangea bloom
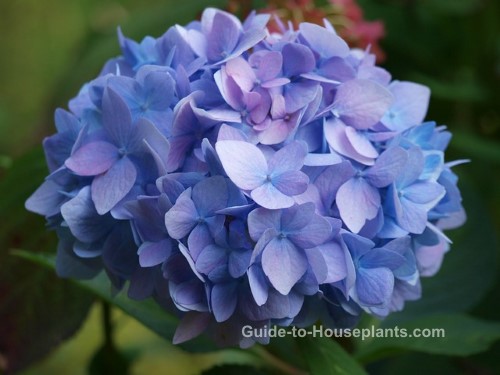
{"points": [[242, 178]]}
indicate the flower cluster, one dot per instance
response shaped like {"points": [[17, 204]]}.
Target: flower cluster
{"points": [[242, 178]]}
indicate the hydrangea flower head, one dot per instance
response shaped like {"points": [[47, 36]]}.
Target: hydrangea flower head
{"points": [[240, 177]]}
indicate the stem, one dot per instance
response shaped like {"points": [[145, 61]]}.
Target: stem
{"points": [[277, 363], [107, 325]]}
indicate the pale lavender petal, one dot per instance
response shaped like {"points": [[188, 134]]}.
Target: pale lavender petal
{"points": [[323, 41], [361, 103], [243, 162], [357, 201], [289, 158], [111, 187], [270, 197], [360, 143], [241, 72], [283, 264]]}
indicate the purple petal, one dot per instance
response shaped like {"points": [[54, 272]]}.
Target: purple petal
{"points": [[116, 117], [211, 257], [47, 199], [223, 36], [374, 286], [336, 135], [200, 237], [357, 201], [210, 195], [182, 217], [191, 325], [316, 232], [289, 158], [82, 219], [291, 183], [361, 103], [317, 264], [298, 59], [295, 218], [224, 300], [111, 187], [154, 253], [260, 220], [334, 258], [387, 167], [243, 162], [93, 158], [283, 264], [258, 285], [377, 258]]}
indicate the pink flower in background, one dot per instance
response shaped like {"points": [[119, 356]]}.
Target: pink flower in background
{"points": [[345, 15]]}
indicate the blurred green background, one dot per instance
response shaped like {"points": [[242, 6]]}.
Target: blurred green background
{"points": [[50, 48]]}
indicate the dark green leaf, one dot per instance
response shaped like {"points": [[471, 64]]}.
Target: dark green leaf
{"points": [[147, 312], [326, 357], [458, 335], [37, 312]]}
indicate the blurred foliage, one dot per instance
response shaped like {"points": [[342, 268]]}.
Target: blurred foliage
{"points": [[50, 48]]}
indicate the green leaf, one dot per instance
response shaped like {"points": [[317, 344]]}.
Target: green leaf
{"points": [[463, 335], [326, 357]]}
